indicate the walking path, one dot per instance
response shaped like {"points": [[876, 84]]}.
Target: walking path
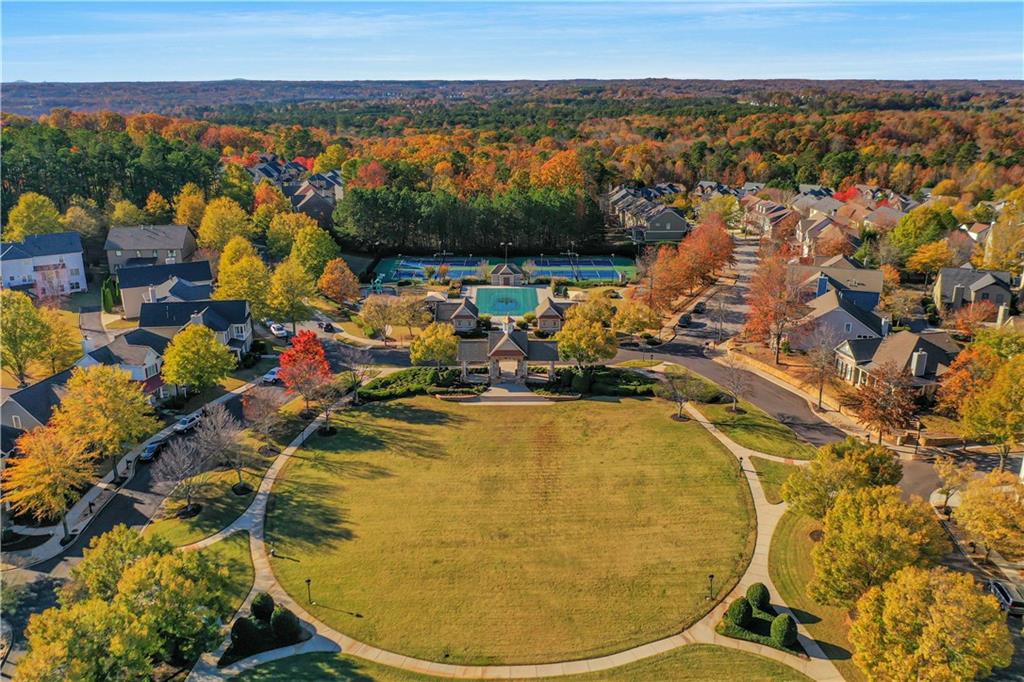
{"points": [[325, 638], [91, 503]]}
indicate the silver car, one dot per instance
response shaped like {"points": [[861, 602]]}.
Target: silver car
{"points": [[1008, 595]]}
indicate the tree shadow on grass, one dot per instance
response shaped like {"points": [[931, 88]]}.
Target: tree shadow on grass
{"points": [[313, 668], [413, 414], [306, 515]]}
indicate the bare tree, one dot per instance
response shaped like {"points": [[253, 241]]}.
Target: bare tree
{"points": [[217, 440], [358, 366], [679, 387], [737, 379], [183, 465], [261, 406], [821, 358]]}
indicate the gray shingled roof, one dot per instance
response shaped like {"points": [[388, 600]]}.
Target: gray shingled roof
{"points": [[147, 237], [969, 278], [151, 275], [36, 245]]}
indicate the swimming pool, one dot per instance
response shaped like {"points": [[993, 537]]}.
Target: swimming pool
{"points": [[514, 301]]}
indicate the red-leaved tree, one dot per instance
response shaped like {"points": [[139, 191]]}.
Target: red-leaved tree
{"points": [[967, 319], [304, 366], [774, 302]]}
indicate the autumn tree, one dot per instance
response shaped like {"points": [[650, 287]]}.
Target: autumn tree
{"points": [[105, 560], [836, 244], [970, 372], [886, 402], [930, 258], [267, 194], [338, 283], [634, 317], [246, 279], [304, 366], [237, 248], [679, 387], [182, 464], [870, 534], [189, 206], [47, 476], [157, 210], [932, 624], [261, 406], [725, 206], [774, 302], [996, 414], [922, 225], [597, 309], [837, 468], [23, 333], [737, 380], [313, 248], [992, 509], [87, 221], [217, 437], [330, 159], [967, 319], [104, 411], [290, 286], [236, 184], [1006, 238], [821, 359], [33, 214], [223, 219], [437, 344], [196, 359], [380, 313], [585, 342], [126, 214], [954, 475], [60, 347], [283, 229]]}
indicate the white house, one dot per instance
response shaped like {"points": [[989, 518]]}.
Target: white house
{"points": [[44, 264]]}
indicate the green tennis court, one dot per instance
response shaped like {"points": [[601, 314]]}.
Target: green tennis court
{"points": [[514, 301]]}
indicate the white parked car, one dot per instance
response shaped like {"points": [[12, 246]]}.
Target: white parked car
{"points": [[271, 376], [187, 423], [278, 330]]}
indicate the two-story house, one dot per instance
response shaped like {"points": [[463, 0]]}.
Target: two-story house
{"points": [[836, 318], [958, 287], [551, 315], [44, 264], [924, 356], [460, 313], [140, 353], [165, 282], [231, 321], [860, 286], [149, 245]]}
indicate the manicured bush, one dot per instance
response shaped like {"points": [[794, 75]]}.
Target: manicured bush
{"points": [[262, 606], [529, 318], [758, 596], [784, 630], [739, 613], [286, 626], [247, 637], [412, 381], [582, 382]]}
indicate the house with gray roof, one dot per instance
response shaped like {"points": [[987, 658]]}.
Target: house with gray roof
{"points": [[169, 282], [460, 313], [835, 318], [44, 264], [551, 314], [640, 212], [859, 286], [958, 287], [924, 356], [507, 275], [149, 245], [230, 321], [32, 406], [140, 353]]}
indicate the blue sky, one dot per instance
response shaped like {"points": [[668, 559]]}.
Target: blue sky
{"points": [[309, 40]]}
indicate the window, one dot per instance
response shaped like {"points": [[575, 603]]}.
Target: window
{"points": [[118, 253], [138, 253], [75, 286], [15, 421], [75, 272], [984, 295], [848, 327], [151, 371], [239, 331], [156, 253]]}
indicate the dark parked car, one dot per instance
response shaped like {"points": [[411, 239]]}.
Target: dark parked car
{"points": [[685, 319], [700, 308], [153, 449]]}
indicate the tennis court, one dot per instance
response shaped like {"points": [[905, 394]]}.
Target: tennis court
{"points": [[609, 268], [514, 301]]}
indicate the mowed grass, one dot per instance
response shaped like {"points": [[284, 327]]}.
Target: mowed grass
{"points": [[789, 563], [772, 475], [233, 552], [485, 534], [754, 429], [695, 663]]}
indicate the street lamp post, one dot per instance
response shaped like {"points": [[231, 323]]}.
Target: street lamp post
{"points": [[309, 593], [506, 245], [711, 586]]}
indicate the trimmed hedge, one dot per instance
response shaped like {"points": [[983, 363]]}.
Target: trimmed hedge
{"points": [[758, 596], [784, 630], [601, 381], [417, 381], [268, 628], [286, 626], [262, 607], [740, 613]]}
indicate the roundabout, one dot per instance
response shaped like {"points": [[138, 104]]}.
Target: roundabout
{"points": [[485, 535]]}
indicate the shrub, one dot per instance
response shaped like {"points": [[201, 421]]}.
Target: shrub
{"points": [[262, 606], [529, 318], [739, 613], [247, 637], [259, 347], [784, 630], [286, 626], [522, 324], [581, 382], [758, 596], [412, 381]]}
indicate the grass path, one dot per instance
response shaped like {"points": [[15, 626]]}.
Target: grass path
{"points": [[458, 534]]}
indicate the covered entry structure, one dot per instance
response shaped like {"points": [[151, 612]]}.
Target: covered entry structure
{"points": [[506, 345]]}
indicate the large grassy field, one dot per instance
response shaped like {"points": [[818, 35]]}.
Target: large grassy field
{"points": [[485, 534], [789, 562], [696, 663]]}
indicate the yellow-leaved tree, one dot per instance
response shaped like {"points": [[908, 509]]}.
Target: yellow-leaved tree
{"points": [[33, 214], [437, 344], [104, 411], [189, 206], [929, 625], [246, 279], [23, 332], [46, 479], [992, 508], [196, 359], [290, 286], [222, 220], [587, 342]]}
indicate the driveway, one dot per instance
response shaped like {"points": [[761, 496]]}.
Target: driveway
{"points": [[90, 322]]}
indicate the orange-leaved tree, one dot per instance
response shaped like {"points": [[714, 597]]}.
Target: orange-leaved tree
{"points": [[304, 366]]}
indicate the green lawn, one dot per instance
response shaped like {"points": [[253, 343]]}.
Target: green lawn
{"points": [[695, 663], [789, 563], [233, 552], [484, 534], [754, 429], [772, 475]]}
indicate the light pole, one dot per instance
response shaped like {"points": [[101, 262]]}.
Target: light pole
{"points": [[711, 586], [506, 245], [309, 593]]}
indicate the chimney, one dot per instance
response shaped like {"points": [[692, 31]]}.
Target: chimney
{"points": [[86, 345], [822, 283], [196, 318], [918, 362], [150, 295], [1004, 312], [958, 296], [886, 326]]}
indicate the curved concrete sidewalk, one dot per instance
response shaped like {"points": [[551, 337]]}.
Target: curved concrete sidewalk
{"points": [[817, 666]]}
